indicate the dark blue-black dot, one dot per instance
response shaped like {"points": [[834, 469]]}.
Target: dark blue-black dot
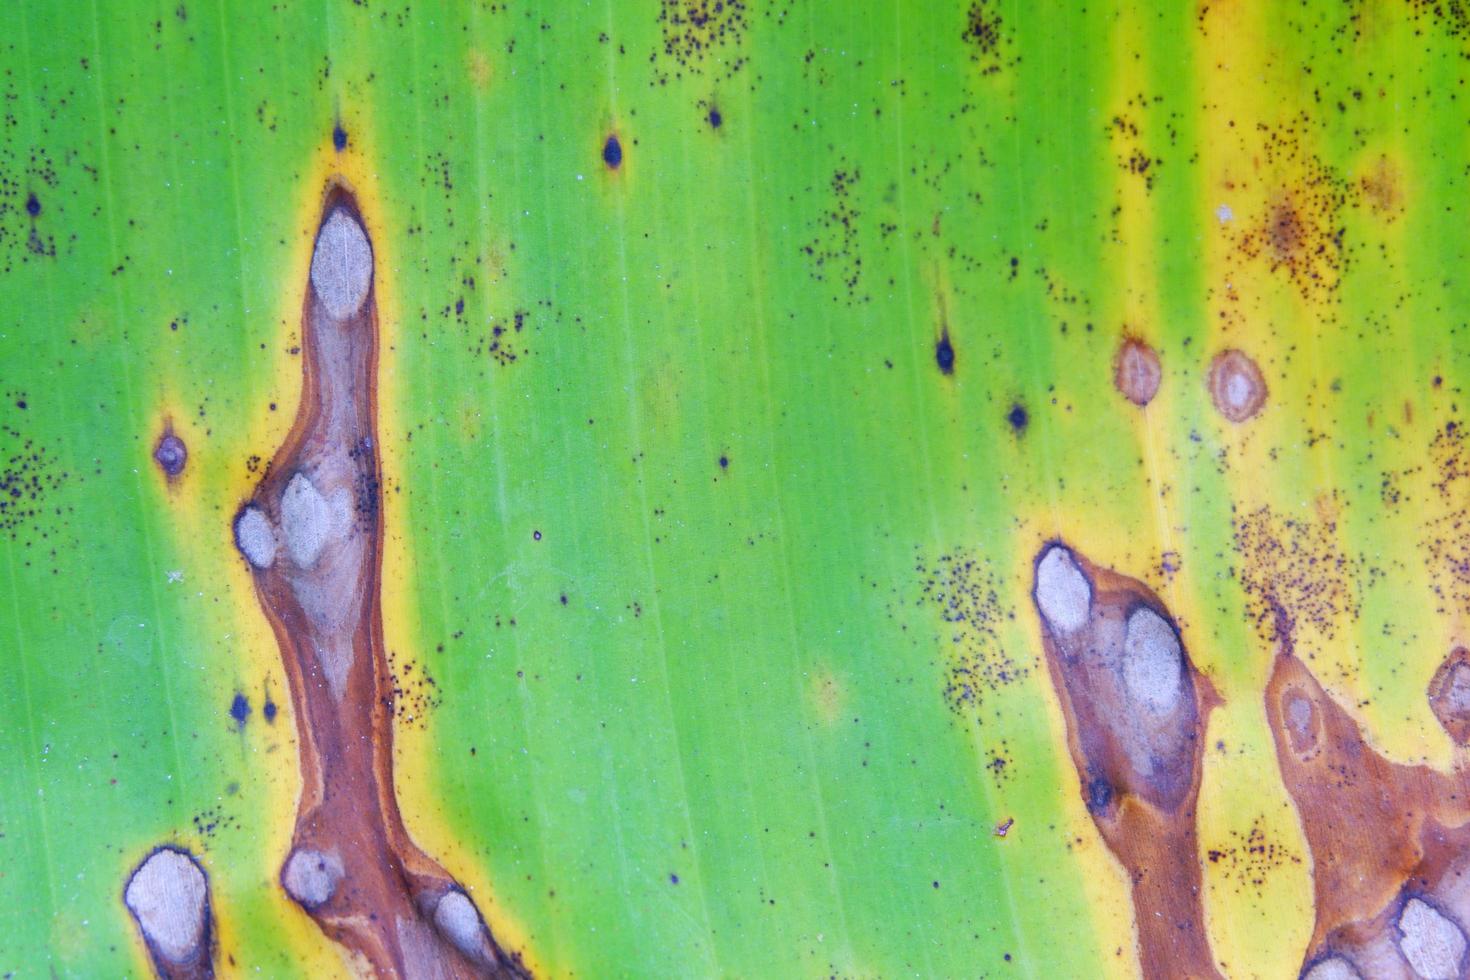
{"points": [[612, 152], [715, 119], [339, 138], [33, 205], [269, 710], [1017, 417], [673, 879], [240, 709], [944, 354], [724, 462]]}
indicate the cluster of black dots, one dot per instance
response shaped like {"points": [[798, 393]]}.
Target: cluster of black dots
{"points": [[1302, 233], [29, 479], [1294, 568], [413, 691], [962, 589], [1249, 859], [834, 252], [700, 37]]}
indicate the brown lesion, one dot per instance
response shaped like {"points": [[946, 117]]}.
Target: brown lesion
{"points": [[312, 533], [1390, 842], [1136, 710]]}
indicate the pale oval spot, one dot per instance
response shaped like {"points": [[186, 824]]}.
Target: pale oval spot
{"points": [[306, 521], [311, 877], [458, 920], [342, 265], [1137, 372], [168, 897], [1300, 715], [1433, 945], [1063, 593], [1236, 385], [255, 537], [1153, 664], [1333, 968], [1449, 695]]}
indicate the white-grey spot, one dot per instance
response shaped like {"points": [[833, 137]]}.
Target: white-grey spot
{"points": [[342, 265], [1062, 592], [255, 537], [1457, 692], [1334, 968], [311, 877], [1433, 945], [307, 521], [1152, 661], [168, 897], [458, 921]]}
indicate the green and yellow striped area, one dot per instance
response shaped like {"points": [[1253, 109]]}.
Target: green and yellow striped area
{"points": [[707, 589]]}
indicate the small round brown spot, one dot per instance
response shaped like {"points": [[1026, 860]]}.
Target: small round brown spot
{"points": [[1236, 385], [1136, 371]]}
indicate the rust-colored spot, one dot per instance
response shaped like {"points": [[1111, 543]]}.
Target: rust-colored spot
{"points": [[1136, 371], [1390, 843], [1382, 188], [1136, 711], [1285, 232], [312, 534], [1449, 695], [1236, 385]]}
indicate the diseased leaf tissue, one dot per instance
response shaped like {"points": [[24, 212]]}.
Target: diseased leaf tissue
{"points": [[734, 489]]}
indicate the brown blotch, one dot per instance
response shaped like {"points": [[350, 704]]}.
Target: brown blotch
{"points": [[1449, 695], [312, 533], [1136, 371], [1285, 232], [1236, 385], [1390, 843], [1136, 710], [1382, 188]]}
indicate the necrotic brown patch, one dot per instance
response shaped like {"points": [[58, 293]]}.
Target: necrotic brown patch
{"points": [[1236, 385], [312, 534], [1136, 371], [1390, 843], [1136, 710]]}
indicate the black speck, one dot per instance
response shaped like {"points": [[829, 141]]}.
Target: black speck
{"points": [[20, 403], [715, 119], [33, 206], [944, 354], [170, 454], [612, 152], [339, 138], [240, 709], [1018, 418]]}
